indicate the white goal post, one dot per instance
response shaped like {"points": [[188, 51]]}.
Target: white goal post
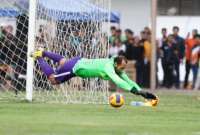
{"points": [[67, 27], [31, 44]]}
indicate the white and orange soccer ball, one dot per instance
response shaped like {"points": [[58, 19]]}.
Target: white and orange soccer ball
{"points": [[116, 100]]}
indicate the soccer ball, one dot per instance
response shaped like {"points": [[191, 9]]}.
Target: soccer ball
{"points": [[116, 100]]}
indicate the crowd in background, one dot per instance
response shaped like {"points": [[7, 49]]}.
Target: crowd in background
{"points": [[172, 49], [137, 48], [11, 49], [176, 50]]}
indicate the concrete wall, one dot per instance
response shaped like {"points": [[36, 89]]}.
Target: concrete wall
{"points": [[185, 23], [135, 14]]}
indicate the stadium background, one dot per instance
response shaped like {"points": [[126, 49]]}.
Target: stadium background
{"points": [[186, 15], [177, 113]]}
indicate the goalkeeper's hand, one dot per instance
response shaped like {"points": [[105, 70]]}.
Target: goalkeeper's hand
{"points": [[145, 94], [149, 97], [152, 102]]}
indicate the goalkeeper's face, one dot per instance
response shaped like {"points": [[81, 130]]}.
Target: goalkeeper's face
{"points": [[120, 66]]}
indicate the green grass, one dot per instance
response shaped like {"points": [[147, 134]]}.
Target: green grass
{"points": [[177, 114]]}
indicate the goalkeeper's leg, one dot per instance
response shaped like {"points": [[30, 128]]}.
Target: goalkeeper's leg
{"points": [[54, 56], [65, 66], [47, 69], [40, 52], [49, 72]]}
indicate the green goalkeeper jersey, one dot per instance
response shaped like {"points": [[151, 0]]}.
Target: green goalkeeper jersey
{"points": [[103, 68]]}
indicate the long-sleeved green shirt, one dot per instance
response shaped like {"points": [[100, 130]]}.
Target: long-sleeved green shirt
{"points": [[104, 69]]}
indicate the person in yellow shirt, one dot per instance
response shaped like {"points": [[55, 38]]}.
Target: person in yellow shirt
{"points": [[147, 57], [147, 51]]}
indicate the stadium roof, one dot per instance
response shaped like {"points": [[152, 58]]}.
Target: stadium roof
{"points": [[72, 10], [8, 12]]}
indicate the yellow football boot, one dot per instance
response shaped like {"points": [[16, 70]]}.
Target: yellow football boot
{"points": [[37, 53]]}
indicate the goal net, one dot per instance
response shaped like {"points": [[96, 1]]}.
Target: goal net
{"points": [[68, 27]]}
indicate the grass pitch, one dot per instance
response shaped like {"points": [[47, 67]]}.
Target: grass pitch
{"points": [[178, 113]]}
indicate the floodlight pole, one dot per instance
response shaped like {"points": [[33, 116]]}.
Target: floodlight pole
{"points": [[153, 44], [31, 41]]}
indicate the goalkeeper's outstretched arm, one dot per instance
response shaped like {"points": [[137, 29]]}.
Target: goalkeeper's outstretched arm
{"points": [[131, 87], [136, 88], [119, 77]]}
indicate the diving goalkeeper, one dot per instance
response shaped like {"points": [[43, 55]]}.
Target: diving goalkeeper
{"points": [[104, 68]]}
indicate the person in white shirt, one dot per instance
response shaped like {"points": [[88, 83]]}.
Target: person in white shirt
{"points": [[117, 48]]}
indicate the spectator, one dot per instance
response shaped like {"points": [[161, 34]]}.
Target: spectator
{"points": [[189, 42], [74, 39], [42, 37], [139, 65], [117, 48], [143, 36], [1, 32], [129, 53], [7, 44], [120, 36], [148, 31], [195, 58], [128, 35], [164, 37], [163, 46], [197, 84], [7, 75], [180, 45], [169, 57], [113, 34], [147, 57], [136, 39]]}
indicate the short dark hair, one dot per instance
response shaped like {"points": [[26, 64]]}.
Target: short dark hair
{"points": [[119, 59], [142, 32], [195, 30], [176, 28], [129, 31], [197, 36], [113, 28], [164, 29]]}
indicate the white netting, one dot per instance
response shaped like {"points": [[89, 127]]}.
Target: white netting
{"points": [[68, 27]]}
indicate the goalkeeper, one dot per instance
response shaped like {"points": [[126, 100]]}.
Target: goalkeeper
{"points": [[104, 68]]}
